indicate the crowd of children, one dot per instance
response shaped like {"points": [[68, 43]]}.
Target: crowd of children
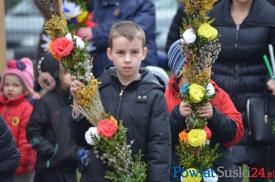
{"points": [[51, 142]]}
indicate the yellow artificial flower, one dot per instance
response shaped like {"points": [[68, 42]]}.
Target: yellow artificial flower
{"points": [[82, 17], [196, 137], [207, 31], [196, 93], [191, 175]]}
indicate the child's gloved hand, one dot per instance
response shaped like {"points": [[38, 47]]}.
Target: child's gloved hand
{"points": [[83, 156], [89, 133]]}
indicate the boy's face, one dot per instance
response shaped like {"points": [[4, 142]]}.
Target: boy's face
{"points": [[126, 56], [12, 86]]}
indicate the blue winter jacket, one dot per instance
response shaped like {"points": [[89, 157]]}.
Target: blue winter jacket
{"points": [[108, 12]]}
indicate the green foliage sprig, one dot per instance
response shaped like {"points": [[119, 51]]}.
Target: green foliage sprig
{"points": [[199, 158], [117, 155]]}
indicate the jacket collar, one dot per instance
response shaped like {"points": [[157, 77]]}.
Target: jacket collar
{"points": [[261, 13], [15, 100], [109, 75], [63, 96], [221, 13]]}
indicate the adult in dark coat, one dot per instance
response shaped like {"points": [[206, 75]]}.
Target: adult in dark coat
{"points": [[240, 70], [9, 155], [108, 12], [142, 108]]}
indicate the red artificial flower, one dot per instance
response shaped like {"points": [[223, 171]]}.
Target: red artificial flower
{"points": [[12, 64], [208, 133], [62, 47], [107, 128], [89, 22]]}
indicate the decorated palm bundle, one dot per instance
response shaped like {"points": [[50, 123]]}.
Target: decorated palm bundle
{"points": [[200, 47], [70, 50]]}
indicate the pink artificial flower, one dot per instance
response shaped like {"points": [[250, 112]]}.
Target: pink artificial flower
{"points": [[62, 47], [107, 128]]}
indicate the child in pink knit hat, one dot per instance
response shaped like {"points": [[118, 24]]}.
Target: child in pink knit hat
{"points": [[16, 85], [23, 69]]}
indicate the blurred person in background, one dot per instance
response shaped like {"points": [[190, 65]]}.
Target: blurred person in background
{"points": [[9, 155], [49, 130], [106, 13], [16, 86]]}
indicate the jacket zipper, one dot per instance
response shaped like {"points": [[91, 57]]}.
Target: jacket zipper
{"points": [[235, 82], [237, 36], [119, 102]]}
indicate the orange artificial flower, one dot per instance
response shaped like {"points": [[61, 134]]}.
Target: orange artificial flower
{"points": [[183, 136]]}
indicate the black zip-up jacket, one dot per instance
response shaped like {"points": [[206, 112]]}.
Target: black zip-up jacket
{"points": [[49, 132], [240, 69], [142, 109], [9, 155]]}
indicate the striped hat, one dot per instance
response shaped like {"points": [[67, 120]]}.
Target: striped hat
{"points": [[175, 58]]}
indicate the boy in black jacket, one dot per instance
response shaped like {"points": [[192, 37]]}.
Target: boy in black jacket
{"points": [[134, 96], [9, 156]]}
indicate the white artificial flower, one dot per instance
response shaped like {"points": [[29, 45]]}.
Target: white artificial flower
{"points": [[210, 90], [69, 36], [189, 36], [210, 176], [79, 42], [46, 42], [92, 131], [71, 10]]}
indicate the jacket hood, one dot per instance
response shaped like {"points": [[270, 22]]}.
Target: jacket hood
{"points": [[146, 79]]}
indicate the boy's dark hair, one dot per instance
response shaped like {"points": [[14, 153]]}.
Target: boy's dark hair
{"points": [[127, 29]]}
